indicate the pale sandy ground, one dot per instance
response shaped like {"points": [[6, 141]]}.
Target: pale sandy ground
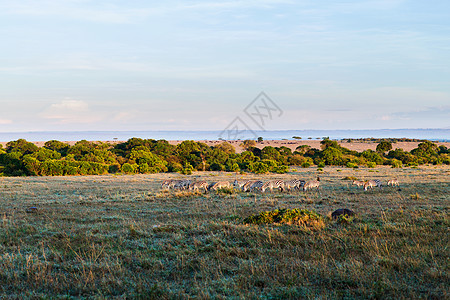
{"points": [[292, 144]]}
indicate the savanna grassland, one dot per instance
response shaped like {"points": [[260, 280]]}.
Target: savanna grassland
{"points": [[121, 236]]}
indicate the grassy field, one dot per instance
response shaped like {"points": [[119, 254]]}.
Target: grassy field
{"points": [[121, 236]]}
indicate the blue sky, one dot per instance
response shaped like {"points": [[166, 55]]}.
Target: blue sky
{"points": [[195, 65]]}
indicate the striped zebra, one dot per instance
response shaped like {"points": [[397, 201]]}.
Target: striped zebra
{"points": [[294, 183], [219, 185], [182, 184], [240, 184], [393, 182], [273, 184], [197, 185], [253, 185], [371, 183], [166, 184], [358, 183], [311, 184], [246, 186]]}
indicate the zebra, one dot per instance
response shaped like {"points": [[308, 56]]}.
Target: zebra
{"points": [[240, 184], [393, 182], [273, 184], [219, 185], [294, 183], [182, 184], [247, 186], [358, 183], [166, 184], [253, 185], [198, 185], [371, 184], [311, 184]]}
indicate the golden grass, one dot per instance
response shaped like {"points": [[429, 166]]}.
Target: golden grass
{"points": [[121, 236]]}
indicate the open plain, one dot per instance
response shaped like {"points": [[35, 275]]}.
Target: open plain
{"points": [[122, 236]]}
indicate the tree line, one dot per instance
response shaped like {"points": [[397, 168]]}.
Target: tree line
{"points": [[55, 158]]}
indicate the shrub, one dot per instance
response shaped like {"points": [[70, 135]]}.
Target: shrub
{"points": [[114, 168], [371, 164], [321, 165], [258, 167], [187, 169], [306, 164], [127, 168], [351, 165], [300, 217], [395, 163]]}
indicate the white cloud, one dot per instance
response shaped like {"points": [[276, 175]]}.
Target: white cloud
{"points": [[70, 111], [70, 105]]}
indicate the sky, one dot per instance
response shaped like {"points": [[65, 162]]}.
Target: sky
{"points": [[76, 65]]}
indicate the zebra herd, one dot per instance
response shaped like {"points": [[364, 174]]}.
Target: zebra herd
{"points": [[245, 185], [375, 183], [258, 185]]}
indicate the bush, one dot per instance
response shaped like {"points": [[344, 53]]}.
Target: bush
{"points": [[395, 163], [321, 165], [351, 165], [306, 164], [258, 167], [371, 164], [300, 217], [127, 168], [114, 168], [187, 170]]}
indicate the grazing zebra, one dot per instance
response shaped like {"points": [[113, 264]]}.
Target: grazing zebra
{"points": [[294, 183], [240, 184], [371, 184], [253, 185], [219, 185], [198, 185], [246, 186], [358, 183], [273, 184], [393, 182], [182, 184], [166, 184], [311, 184]]}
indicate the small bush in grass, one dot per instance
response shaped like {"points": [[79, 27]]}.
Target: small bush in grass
{"points": [[395, 163], [321, 165], [349, 178], [345, 219], [306, 164], [225, 191], [301, 217], [415, 196], [351, 165], [371, 164]]}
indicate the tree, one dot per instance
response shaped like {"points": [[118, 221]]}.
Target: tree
{"points": [[384, 146], [57, 146], [148, 162], [247, 144], [226, 147], [21, 146]]}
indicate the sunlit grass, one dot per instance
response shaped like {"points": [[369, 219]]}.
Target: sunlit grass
{"points": [[122, 236]]}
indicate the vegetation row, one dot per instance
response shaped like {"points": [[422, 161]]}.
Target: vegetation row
{"points": [[23, 158]]}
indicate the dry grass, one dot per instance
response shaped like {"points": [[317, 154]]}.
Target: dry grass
{"points": [[121, 236]]}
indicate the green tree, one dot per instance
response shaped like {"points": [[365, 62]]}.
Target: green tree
{"points": [[21, 146], [247, 144], [148, 161], [384, 146], [57, 146]]}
